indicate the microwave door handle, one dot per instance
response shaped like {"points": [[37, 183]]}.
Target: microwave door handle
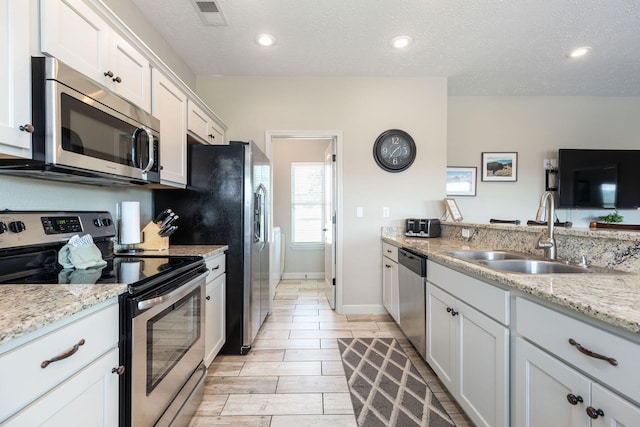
{"points": [[150, 149]]}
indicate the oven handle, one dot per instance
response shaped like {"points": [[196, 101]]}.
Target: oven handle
{"points": [[175, 294]]}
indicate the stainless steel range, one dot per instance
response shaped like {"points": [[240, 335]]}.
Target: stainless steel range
{"points": [[161, 315]]}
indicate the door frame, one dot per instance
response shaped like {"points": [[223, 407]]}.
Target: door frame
{"points": [[336, 136]]}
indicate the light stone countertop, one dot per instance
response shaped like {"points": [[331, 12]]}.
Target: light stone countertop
{"points": [[610, 298], [27, 308]]}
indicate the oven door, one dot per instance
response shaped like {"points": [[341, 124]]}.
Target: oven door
{"points": [[84, 133], [167, 340]]}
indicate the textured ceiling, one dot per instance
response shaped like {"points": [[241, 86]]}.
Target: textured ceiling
{"points": [[484, 47]]}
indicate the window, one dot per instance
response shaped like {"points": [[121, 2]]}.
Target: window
{"points": [[307, 202]]}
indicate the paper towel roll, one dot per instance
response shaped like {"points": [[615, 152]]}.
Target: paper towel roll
{"points": [[129, 222]]}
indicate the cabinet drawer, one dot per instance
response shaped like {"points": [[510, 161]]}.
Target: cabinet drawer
{"points": [[552, 330], [23, 378], [216, 266], [489, 299], [390, 251]]}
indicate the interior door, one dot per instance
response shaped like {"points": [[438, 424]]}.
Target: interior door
{"points": [[330, 224]]}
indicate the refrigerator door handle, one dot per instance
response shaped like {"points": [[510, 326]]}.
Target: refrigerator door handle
{"points": [[260, 220]]}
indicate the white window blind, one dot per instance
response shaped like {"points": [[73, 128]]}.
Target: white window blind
{"points": [[307, 202]]}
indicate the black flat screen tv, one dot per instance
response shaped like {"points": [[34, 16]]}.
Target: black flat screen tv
{"points": [[599, 179]]}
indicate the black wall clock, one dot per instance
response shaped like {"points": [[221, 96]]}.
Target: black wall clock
{"points": [[394, 150]]}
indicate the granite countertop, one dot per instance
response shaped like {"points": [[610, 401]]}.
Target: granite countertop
{"points": [[610, 298], [27, 308]]}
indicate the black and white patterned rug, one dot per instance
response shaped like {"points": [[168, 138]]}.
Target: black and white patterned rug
{"points": [[386, 389]]}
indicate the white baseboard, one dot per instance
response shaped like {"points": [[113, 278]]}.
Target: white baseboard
{"points": [[364, 309], [302, 276]]}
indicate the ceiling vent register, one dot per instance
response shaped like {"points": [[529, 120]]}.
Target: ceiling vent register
{"points": [[210, 13]]}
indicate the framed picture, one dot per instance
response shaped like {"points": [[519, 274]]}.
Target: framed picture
{"points": [[499, 166], [453, 209], [461, 181]]}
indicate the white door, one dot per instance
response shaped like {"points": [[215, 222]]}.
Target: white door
{"points": [[330, 224]]}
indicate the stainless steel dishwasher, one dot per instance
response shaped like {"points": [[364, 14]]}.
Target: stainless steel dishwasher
{"points": [[412, 273]]}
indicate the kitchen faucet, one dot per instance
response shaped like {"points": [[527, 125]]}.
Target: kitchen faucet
{"points": [[548, 244]]}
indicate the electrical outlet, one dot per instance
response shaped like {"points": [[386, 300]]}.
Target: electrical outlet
{"points": [[465, 233], [385, 212]]}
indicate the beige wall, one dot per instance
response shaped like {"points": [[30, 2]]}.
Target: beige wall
{"points": [[361, 108], [298, 262], [535, 127]]}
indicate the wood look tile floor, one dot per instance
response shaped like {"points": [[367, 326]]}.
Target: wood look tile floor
{"points": [[293, 375]]}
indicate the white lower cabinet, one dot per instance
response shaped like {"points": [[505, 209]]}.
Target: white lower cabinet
{"points": [[89, 398], [467, 348], [67, 375], [550, 393], [390, 297], [215, 323]]}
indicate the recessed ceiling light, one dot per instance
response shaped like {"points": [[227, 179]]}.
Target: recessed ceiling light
{"points": [[401, 42], [265, 39], [578, 52]]}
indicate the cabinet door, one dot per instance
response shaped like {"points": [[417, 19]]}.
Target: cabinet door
{"points": [[15, 85], [617, 412], [89, 398], [72, 32], [483, 369], [169, 104], [544, 387], [215, 329], [131, 72], [203, 126], [441, 335], [390, 287]]}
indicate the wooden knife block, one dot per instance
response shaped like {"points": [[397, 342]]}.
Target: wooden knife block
{"points": [[151, 241]]}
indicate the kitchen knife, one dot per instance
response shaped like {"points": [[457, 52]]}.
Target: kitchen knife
{"points": [[162, 215], [169, 231], [166, 221], [169, 222]]}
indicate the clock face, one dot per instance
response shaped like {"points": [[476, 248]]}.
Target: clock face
{"points": [[394, 150]]}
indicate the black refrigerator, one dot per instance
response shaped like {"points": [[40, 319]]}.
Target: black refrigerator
{"points": [[226, 203]]}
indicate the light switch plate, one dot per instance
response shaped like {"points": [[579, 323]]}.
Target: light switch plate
{"points": [[359, 212]]}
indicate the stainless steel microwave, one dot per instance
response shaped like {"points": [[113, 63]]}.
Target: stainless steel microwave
{"points": [[82, 132]]}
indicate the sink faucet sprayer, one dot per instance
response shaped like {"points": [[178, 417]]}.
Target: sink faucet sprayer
{"points": [[549, 244]]}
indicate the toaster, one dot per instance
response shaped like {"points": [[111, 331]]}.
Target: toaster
{"points": [[423, 227]]}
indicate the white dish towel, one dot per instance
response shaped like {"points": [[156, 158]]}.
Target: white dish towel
{"points": [[81, 253]]}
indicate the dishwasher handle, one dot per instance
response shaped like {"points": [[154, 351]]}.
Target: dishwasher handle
{"points": [[415, 262]]}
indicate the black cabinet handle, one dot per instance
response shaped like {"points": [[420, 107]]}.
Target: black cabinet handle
{"points": [[27, 128], [452, 311], [594, 413], [108, 73], [208, 297], [590, 353], [573, 399], [117, 79], [118, 370]]}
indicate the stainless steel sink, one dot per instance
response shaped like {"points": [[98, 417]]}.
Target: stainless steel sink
{"points": [[488, 255], [530, 266], [518, 262]]}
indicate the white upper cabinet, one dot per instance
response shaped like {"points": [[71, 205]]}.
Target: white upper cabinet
{"points": [[203, 126], [15, 87], [169, 104], [74, 33]]}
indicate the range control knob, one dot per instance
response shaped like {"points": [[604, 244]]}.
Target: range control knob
{"points": [[3, 227], [97, 222], [106, 222], [17, 226]]}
